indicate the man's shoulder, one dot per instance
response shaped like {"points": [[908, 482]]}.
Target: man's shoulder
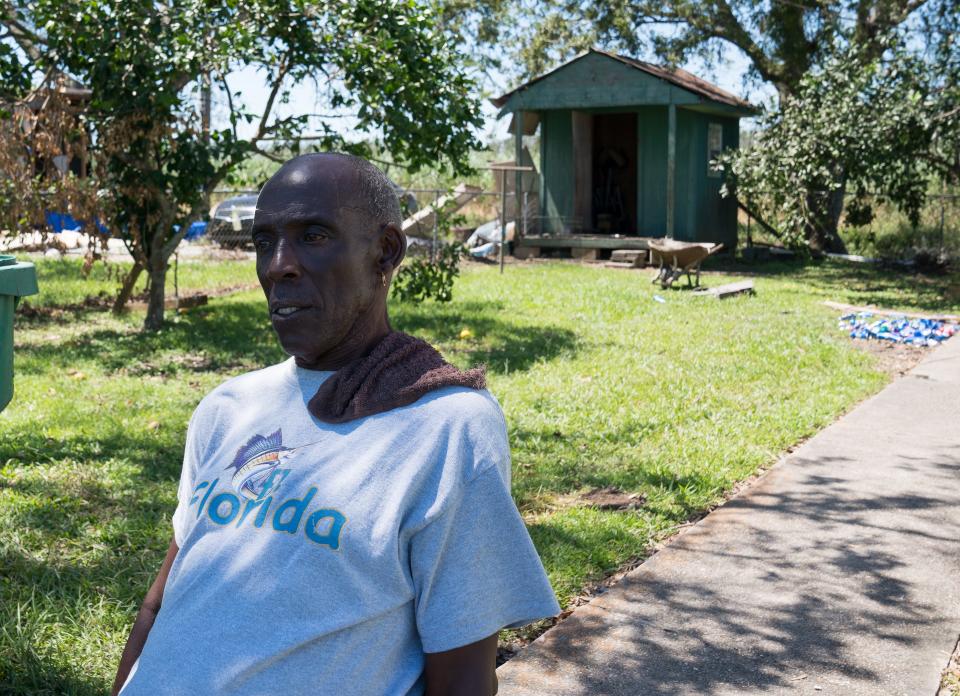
{"points": [[471, 427], [241, 388], [461, 405], [471, 417]]}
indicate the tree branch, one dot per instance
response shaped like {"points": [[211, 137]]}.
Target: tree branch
{"points": [[226, 88], [874, 18], [195, 214], [276, 125], [29, 41], [274, 91], [908, 9], [41, 86], [726, 26], [947, 114], [946, 165], [269, 155]]}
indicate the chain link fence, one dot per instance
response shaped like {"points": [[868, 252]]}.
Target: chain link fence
{"points": [[232, 214], [874, 228]]}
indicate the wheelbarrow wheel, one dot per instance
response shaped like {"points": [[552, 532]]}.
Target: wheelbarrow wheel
{"points": [[658, 278], [671, 276]]}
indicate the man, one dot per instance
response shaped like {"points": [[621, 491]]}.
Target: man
{"points": [[344, 523]]}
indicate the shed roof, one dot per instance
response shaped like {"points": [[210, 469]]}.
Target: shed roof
{"points": [[76, 94], [674, 76]]}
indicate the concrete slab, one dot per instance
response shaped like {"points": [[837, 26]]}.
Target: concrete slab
{"points": [[837, 573]]}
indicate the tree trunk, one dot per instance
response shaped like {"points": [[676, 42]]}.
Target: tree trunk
{"points": [[157, 263], [156, 298], [822, 228], [835, 210], [126, 289]]}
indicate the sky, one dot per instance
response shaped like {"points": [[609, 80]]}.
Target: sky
{"points": [[303, 99]]}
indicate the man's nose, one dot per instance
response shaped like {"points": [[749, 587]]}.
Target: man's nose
{"points": [[284, 262]]}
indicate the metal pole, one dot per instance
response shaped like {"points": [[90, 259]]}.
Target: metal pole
{"points": [[518, 176], [503, 202], [433, 244], [524, 213], [503, 215], [943, 190]]}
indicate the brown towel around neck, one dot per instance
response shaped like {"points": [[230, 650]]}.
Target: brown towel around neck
{"points": [[398, 371]]}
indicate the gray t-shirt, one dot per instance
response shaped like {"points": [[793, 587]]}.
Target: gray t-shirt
{"points": [[327, 559]]}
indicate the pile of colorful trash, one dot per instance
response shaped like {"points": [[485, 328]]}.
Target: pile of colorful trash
{"points": [[899, 329]]}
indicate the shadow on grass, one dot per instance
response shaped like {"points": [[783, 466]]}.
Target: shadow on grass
{"points": [[28, 674], [220, 337], [570, 469], [857, 283], [40, 591], [157, 455], [66, 583], [503, 346], [586, 544], [232, 335]]}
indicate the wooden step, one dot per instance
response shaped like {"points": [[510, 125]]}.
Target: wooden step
{"points": [[635, 257]]}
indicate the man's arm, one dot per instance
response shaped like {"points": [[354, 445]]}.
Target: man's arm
{"points": [[144, 622], [467, 671]]}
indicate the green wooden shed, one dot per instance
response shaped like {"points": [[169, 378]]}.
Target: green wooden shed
{"points": [[625, 152]]}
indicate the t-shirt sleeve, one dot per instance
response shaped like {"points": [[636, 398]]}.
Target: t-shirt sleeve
{"points": [[188, 474], [475, 569]]}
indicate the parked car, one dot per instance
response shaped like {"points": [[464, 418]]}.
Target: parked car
{"points": [[232, 220]]}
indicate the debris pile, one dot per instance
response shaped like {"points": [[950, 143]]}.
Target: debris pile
{"points": [[917, 332]]}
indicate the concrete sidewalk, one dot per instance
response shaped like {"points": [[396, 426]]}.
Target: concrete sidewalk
{"points": [[837, 573]]}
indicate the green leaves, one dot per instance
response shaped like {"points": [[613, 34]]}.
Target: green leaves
{"points": [[384, 63], [14, 77], [420, 279], [862, 122]]}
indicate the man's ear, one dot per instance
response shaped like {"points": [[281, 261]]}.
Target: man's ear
{"points": [[393, 247]]}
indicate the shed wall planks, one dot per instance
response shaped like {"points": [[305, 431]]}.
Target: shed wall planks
{"points": [[652, 173], [557, 146]]}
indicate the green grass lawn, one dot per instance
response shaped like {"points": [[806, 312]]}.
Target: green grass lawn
{"points": [[601, 385], [63, 284]]}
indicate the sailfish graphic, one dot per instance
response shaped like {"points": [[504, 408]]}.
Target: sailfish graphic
{"points": [[255, 462]]}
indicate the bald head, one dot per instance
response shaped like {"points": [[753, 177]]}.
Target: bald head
{"points": [[357, 184], [327, 234]]}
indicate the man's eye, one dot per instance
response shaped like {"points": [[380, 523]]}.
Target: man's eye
{"points": [[261, 242], [315, 236]]}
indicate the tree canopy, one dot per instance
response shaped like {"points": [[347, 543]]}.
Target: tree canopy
{"points": [[881, 127], [384, 63], [781, 39]]}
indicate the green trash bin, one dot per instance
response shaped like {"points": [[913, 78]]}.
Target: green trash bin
{"points": [[16, 280]]}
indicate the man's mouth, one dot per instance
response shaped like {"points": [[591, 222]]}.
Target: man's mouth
{"points": [[287, 310]]}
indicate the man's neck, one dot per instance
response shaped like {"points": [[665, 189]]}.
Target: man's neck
{"points": [[362, 338]]}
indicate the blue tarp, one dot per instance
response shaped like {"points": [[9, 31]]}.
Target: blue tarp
{"points": [[59, 222], [196, 229]]}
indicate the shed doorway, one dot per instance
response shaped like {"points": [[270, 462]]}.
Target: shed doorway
{"points": [[614, 173]]}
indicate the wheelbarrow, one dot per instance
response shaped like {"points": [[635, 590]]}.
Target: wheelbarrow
{"points": [[677, 258]]}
